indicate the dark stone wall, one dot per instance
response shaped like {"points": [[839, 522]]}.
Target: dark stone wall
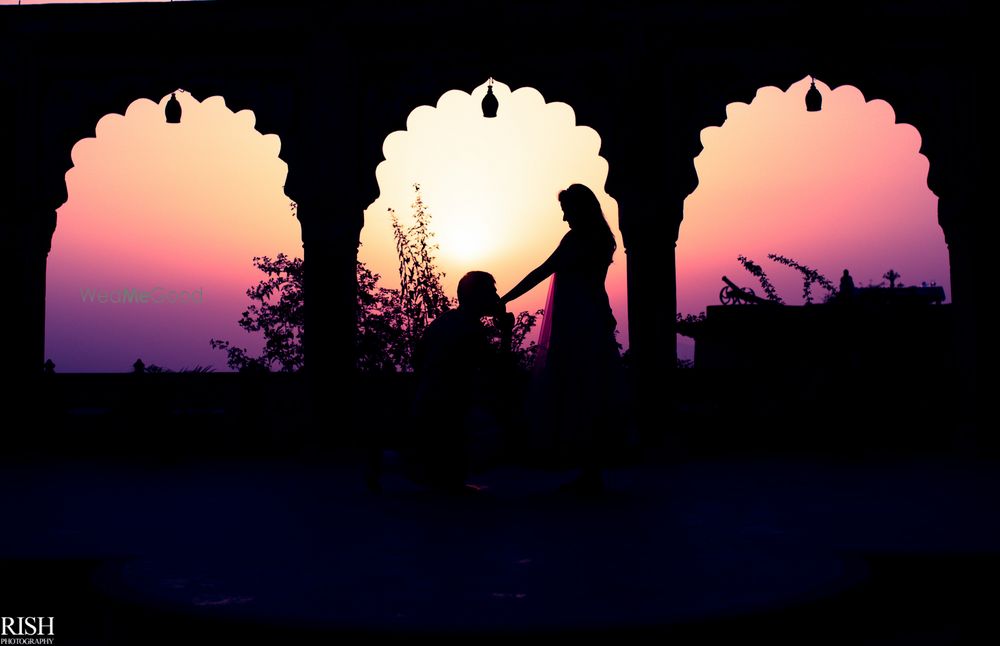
{"points": [[332, 83]]}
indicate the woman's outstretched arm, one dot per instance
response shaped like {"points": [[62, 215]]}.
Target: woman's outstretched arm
{"points": [[536, 276]]}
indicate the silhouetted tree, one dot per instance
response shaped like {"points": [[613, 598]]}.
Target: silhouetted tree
{"points": [[377, 311], [690, 325], [420, 281], [389, 321], [276, 312], [397, 319], [420, 298]]}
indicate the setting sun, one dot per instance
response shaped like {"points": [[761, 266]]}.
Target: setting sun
{"points": [[491, 186]]}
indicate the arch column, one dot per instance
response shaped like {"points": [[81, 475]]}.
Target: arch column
{"points": [[650, 188], [326, 181], [35, 194], [26, 337]]}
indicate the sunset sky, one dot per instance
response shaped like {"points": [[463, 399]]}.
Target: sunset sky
{"points": [[842, 188], [491, 186], [187, 206], [179, 206]]}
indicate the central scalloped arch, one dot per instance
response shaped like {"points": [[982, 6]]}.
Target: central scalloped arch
{"points": [[491, 187]]}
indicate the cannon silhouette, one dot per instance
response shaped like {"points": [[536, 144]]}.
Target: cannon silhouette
{"points": [[732, 294]]}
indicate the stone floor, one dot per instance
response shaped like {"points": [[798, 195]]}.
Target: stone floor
{"points": [[794, 550]]}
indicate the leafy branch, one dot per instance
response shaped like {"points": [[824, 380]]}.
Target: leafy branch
{"points": [[809, 276], [389, 321], [765, 283]]}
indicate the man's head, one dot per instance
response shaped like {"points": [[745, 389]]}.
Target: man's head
{"points": [[477, 293]]}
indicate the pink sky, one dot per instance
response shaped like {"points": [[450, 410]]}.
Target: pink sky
{"points": [[179, 206], [843, 188], [187, 206]]}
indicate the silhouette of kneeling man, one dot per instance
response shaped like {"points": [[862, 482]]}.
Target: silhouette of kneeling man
{"points": [[460, 374]]}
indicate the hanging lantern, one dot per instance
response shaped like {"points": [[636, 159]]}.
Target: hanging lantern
{"points": [[490, 103], [173, 109], [814, 100]]}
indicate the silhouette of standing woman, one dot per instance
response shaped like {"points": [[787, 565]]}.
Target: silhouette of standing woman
{"points": [[578, 355]]}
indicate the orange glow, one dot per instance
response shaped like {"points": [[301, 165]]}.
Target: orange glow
{"points": [[491, 186], [178, 206], [845, 187]]}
